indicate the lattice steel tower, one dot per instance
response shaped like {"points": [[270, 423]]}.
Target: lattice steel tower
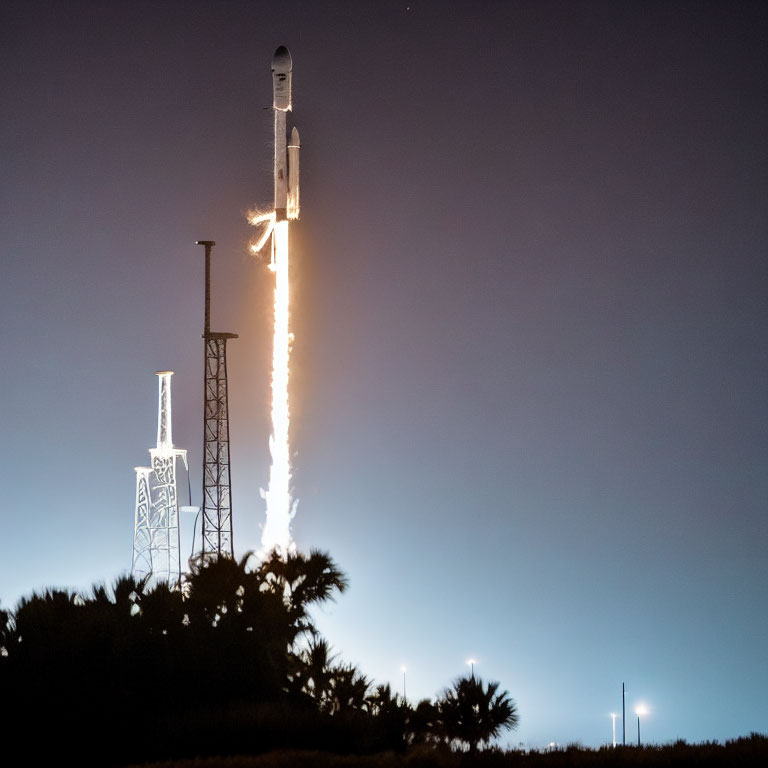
{"points": [[217, 493], [156, 551]]}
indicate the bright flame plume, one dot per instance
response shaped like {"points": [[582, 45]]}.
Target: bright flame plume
{"points": [[276, 533]]}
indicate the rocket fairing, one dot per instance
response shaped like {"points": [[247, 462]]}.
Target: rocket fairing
{"points": [[286, 153], [282, 64]]}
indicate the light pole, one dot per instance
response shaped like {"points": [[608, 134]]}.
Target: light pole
{"points": [[623, 719], [405, 701], [613, 717], [471, 663], [640, 710]]}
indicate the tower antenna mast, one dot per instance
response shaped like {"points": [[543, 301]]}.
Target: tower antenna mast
{"points": [[217, 482]]}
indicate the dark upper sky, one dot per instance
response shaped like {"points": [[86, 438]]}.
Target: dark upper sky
{"points": [[529, 300]]}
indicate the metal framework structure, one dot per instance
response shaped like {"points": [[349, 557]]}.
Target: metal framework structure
{"points": [[217, 484], [142, 541], [156, 550]]}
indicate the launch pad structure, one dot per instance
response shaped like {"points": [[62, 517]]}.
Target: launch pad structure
{"points": [[217, 481], [156, 550]]}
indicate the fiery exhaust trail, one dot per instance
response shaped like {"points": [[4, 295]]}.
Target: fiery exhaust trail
{"points": [[277, 529]]}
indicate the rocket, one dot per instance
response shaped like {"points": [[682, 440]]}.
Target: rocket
{"points": [[286, 151], [276, 534]]}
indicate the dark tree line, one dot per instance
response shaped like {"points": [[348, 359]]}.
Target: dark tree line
{"points": [[231, 663]]}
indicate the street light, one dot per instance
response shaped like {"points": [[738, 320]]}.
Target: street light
{"points": [[613, 717], [639, 710], [403, 670], [471, 663]]}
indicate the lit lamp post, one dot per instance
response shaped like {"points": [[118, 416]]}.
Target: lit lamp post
{"points": [[613, 717], [471, 663], [640, 710]]}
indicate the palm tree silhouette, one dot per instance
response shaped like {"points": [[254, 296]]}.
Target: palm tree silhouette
{"points": [[471, 712], [5, 632], [302, 581], [349, 689], [315, 670]]}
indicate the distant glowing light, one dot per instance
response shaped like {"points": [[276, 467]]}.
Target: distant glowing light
{"points": [[640, 709]]}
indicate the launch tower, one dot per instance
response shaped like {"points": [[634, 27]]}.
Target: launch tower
{"points": [[156, 551], [217, 495]]}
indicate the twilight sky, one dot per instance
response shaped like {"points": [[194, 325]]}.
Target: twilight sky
{"points": [[530, 375]]}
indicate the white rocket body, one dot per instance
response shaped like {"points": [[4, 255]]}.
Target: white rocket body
{"points": [[286, 155]]}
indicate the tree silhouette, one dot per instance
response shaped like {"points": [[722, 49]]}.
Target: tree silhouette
{"points": [[229, 661], [313, 672], [218, 648], [5, 632], [471, 712], [349, 689], [424, 723], [392, 716], [302, 581]]}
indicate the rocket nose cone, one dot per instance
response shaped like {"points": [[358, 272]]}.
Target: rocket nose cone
{"points": [[281, 61]]}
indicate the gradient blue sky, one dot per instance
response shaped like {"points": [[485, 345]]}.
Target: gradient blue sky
{"points": [[530, 281]]}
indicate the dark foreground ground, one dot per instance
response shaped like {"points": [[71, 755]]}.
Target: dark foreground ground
{"points": [[748, 751]]}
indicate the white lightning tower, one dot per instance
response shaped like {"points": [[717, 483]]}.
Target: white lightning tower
{"points": [[280, 508], [156, 551]]}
